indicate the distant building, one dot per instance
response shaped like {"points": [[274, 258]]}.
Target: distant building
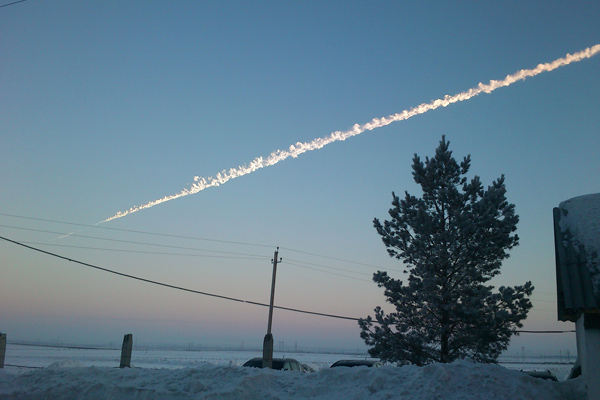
{"points": [[577, 247]]}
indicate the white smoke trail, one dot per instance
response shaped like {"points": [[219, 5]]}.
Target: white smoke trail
{"points": [[296, 149]]}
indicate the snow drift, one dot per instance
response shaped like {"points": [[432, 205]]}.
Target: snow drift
{"points": [[463, 380]]}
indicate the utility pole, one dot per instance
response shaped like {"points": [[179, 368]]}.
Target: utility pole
{"points": [[268, 342]]}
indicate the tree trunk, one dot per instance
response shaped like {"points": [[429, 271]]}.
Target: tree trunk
{"points": [[445, 337]]}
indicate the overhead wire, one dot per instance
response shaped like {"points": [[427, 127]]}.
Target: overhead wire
{"points": [[133, 231], [174, 286], [326, 272], [10, 4], [336, 258], [184, 237], [192, 238], [327, 267], [134, 242], [146, 252], [212, 294], [233, 255], [296, 263]]}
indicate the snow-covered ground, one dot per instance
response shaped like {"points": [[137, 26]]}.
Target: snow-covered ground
{"points": [[92, 374]]}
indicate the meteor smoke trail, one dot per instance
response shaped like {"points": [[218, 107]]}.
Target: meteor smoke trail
{"points": [[296, 149]]}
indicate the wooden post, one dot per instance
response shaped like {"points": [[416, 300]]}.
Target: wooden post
{"points": [[126, 351], [2, 348]]}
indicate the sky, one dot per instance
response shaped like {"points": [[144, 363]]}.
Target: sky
{"points": [[111, 105]]}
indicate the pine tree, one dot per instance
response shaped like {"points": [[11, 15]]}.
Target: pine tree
{"points": [[452, 240]]}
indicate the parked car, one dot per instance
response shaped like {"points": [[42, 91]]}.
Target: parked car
{"points": [[576, 370], [546, 374], [285, 364], [357, 363], [307, 368]]}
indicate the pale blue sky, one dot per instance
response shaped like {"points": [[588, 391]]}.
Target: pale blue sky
{"points": [[106, 105]]}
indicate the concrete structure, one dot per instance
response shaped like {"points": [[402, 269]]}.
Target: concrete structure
{"points": [[577, 247], [268, 341], [2, 348], [126, 351]]}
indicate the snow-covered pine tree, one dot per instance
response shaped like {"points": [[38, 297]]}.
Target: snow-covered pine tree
{"points": [[453, 240]]}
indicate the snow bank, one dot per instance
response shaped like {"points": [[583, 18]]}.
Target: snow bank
{"points": [[460, 380], [582, 221]]}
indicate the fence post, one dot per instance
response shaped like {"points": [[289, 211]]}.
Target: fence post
{"points": [[2, 348], [126, 351]]}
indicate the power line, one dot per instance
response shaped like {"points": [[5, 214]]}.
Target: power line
{"points": [[337, 259], [546, 293], [10, 4], [544, 301], [60, 346], [147, 252], [212, 294], [325, 266], [296, 263], [192, 238], [132, 242], [186, 237], [176, 287], [290, 262], [131, 231], [326, 272], [233, 255]]}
